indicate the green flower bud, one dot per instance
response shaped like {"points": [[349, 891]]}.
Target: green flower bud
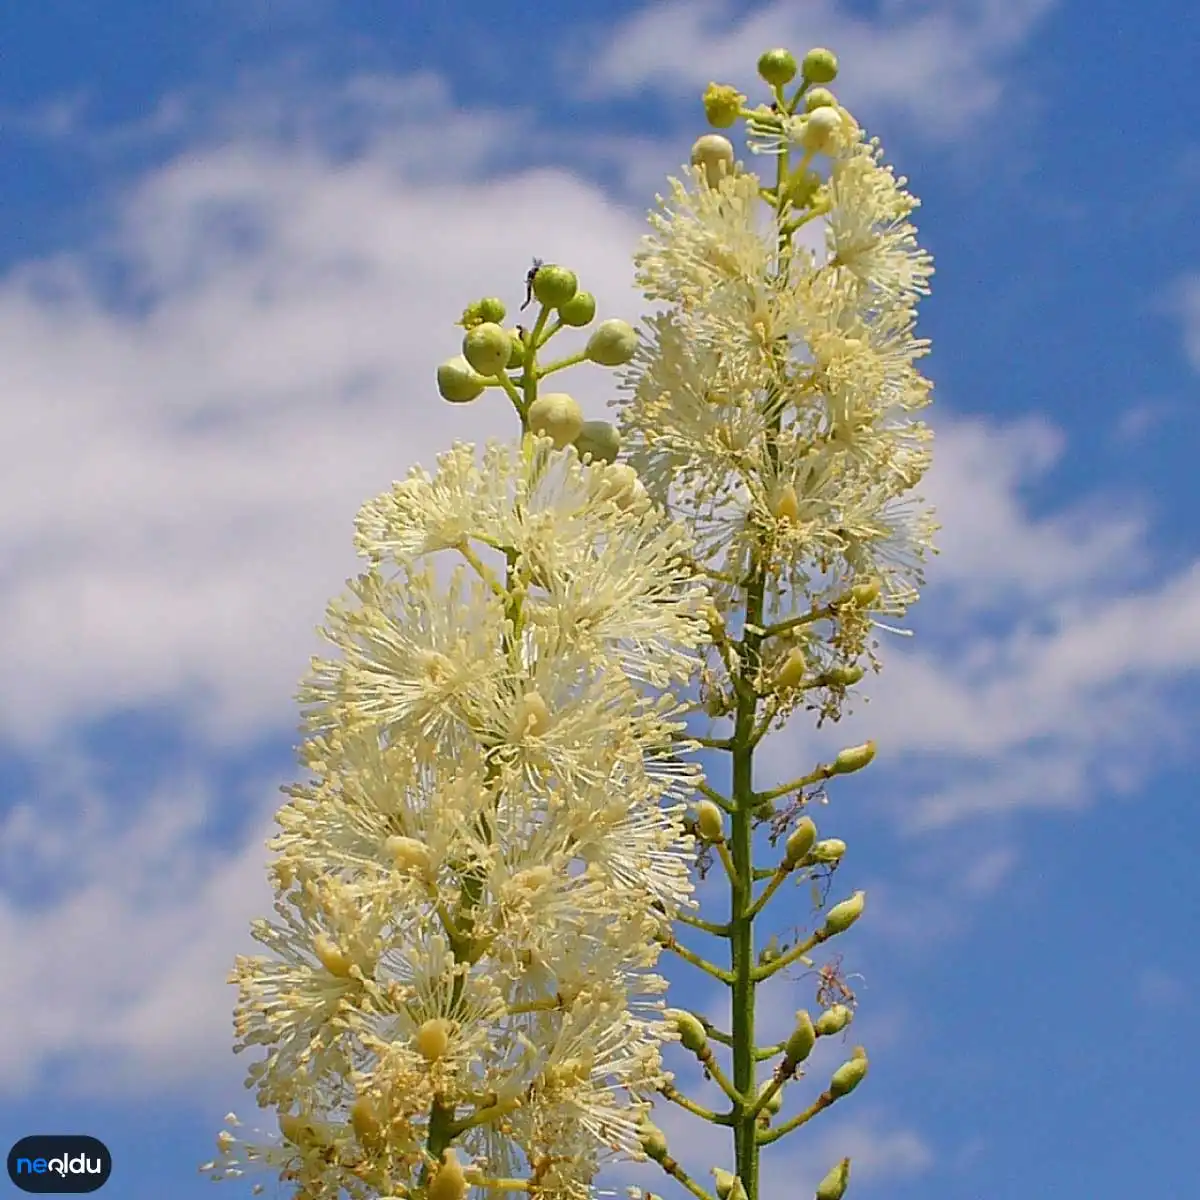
{"points": [[801, 186], [722, 105], [777, 67], [613, 343], [578, 311], [834, 1020], [691, 1033], [804, 1038], [841, 916], [828, 850], [819, 97], [714, 154], [599, 441], [516, 353], [792, 671], [800, 841], [654, 1141], [554, 286], [853, 758], [710, 822], [487, 348], [833, 1186], [725, 1181], [820, 66], [863, 595], [844, 676], [457, 382], [557, 416], [738, 1191], [775, 1103], [820, 128], [492, 309], [850, 1074]]}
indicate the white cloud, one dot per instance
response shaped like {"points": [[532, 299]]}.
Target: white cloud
{"points": [[940, 63]]}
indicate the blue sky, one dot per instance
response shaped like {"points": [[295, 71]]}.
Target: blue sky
{"points": [[233, 242]]}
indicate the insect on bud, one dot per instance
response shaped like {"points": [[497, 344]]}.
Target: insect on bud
{"points": [[449, 1183], [777, 67], [850, 1074], [613, 343], [691, 1033], [578, 311], [710, 822], [714, 155], [820, 66], [804, 1037], [557, 416], [722, 105], [819, 97], [853, 758], [800, 841], [834, 1020], [833, 1186], [487, 348], [841, 916], [554, 286], [457, 382], [598, 441]]}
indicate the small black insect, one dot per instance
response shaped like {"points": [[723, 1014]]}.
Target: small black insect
{"points": [[537, 266]]}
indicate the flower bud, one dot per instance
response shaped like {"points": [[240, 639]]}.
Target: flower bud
{"points": [[850, 1074], [853, 758], [598, 441], [792, 671], [654, 1141], [827, 850], [841, 916], [801, 187], [516, 353], [844, 676], [449, 1183], [820, 66], [298, 1130], [800, 841], [833, 1020], [820, 128], [714, 154], [710, 822], [722, 105], [554, 286], [487, 348], [777, 67], [578, 311], [491, 308], [613, 343], [621, 485], [532, 717], [738, 1190], [725, 1181], [833, 1186], [364, 1119], [785, 505], [804, 1038], [432, 1039], [409, 854], [775, 1103], [557, 416], [457, 382], [863, 595], [691, 1033], [819, 97], [332, 957]]}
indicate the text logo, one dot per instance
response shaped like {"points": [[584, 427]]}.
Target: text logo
{"points": [[59, 1164]]}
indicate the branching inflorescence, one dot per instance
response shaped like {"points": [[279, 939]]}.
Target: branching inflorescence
{"points": [[505, 806]]}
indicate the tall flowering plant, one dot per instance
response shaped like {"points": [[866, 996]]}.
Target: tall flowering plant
{"points": [[506, 807]]}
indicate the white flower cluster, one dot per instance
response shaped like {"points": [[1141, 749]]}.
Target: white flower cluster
{"points": [[471, 884]]}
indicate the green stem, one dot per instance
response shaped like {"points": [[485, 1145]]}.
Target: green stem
{"points": [[704, 926], [697, 1110], [822, 1102]]}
